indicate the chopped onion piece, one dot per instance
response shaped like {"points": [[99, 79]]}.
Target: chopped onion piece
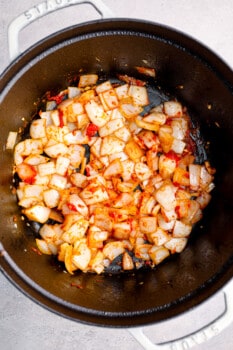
{"points": [[173, 109], [148, 224], [156, 117], [38, 213], [176, 245], [43, 246], [110, 145], [194, 176], [139, 95], [165, 195], [87, 80], [96, 113], [58, 182], [76, 231], [127, 262], [158, 254], [51, 198], [122, 91], [178, 146], [112, 249], [11, 140], [73, 91], [110, 127], [181, 230], [82, 257], [56, 150]]}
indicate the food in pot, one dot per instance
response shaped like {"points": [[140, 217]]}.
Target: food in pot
{"points": [[109, 179]]}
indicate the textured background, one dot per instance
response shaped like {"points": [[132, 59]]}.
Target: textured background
{"points": [[23, 324]]}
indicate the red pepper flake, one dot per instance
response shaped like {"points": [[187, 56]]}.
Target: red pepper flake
{"points": [[173, 156], [91, 130], [71, 206], [130, 80], [35, 250], [139, 82], [130, 222], [134, 177], [88, 171], [57, 98], [30, 180], [26, 172], [112, 215], [150, 72], [92, 189], [169, 121], [79, 286], [61, 119], [177, 210]]}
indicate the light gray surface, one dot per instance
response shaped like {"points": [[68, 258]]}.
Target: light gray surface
{"points": [[25, 325]]}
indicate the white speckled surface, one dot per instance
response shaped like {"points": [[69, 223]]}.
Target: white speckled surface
{"points": [[25, 325]]}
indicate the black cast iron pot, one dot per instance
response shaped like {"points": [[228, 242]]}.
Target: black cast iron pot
{"points": [[109, 47]]}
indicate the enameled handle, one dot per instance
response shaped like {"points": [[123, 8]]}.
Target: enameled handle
{"points": [[202, 335], [42, 10]]}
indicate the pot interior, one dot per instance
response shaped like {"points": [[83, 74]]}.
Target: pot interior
{"points": [[197, 78]]}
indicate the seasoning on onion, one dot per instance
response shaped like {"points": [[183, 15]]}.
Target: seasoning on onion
{"points": [[135, 196]]}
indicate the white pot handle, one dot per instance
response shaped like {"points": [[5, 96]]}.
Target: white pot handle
{"points": [[41, 10], [202, 335]]}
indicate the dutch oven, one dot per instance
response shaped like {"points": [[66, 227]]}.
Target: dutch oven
{"points": [[108, 47]]}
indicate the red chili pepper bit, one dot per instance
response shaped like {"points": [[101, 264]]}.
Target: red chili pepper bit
{"points": [[88, 171], [61, 119], [35, 250], [169, 121], [92, 189], [30, 180], [172, 155], [177, 211], [57, 98], [71, 206], [91, 130], [140, 82], [79, 286], [130, 221], [113, 215]]}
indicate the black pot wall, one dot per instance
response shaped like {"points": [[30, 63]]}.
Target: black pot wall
{"points": [[110, 47]]}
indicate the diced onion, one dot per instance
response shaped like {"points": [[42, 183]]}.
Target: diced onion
{"points": [[11, 140], [109, 179]]}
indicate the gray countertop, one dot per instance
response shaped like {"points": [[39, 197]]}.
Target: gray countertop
{"points": [[25, 325]]}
